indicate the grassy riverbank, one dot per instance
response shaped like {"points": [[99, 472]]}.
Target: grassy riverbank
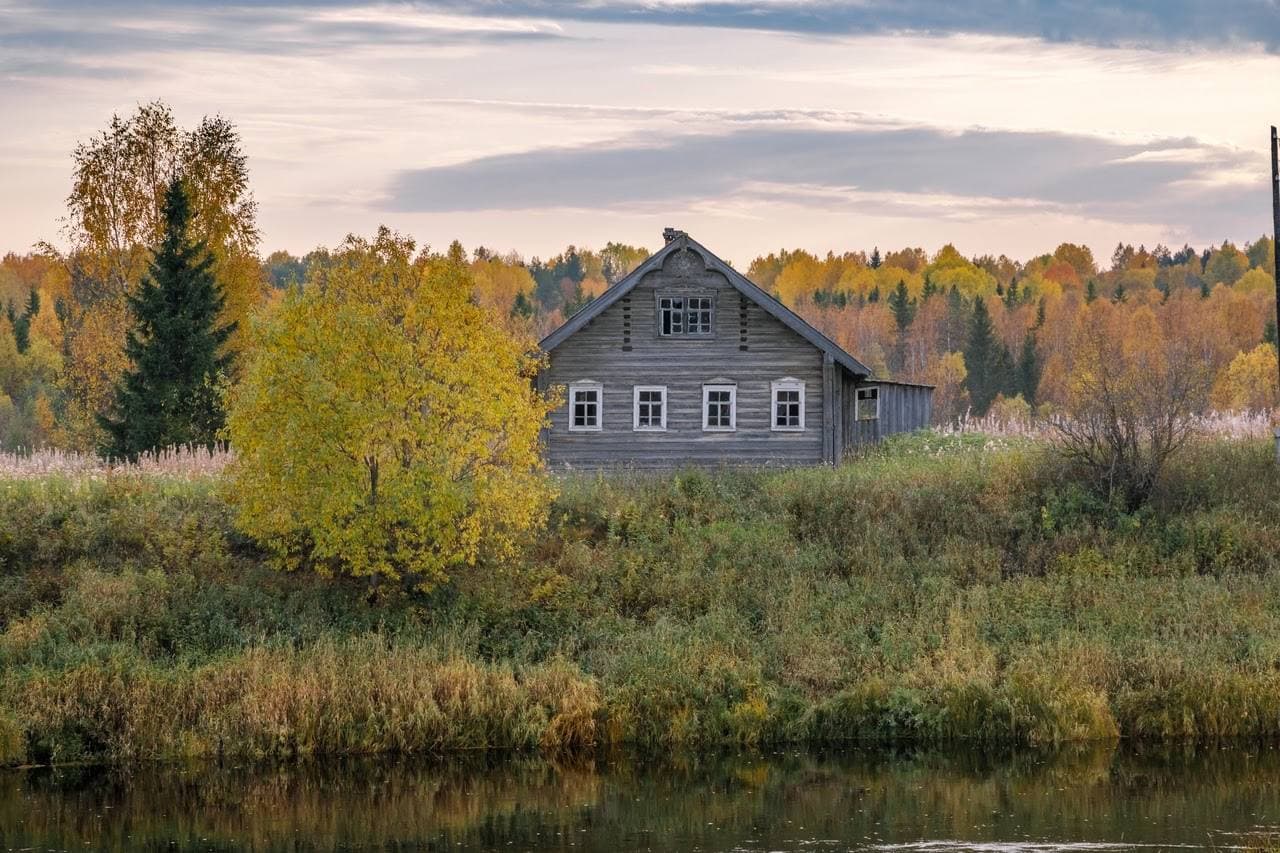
{"points": [[935, 590]]}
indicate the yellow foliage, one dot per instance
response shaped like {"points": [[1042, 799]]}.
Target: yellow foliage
{"points": [[45, 325], [244, 287], [947, 374], [1256, 281], [1010, 409], [951, 269], [96, 360], [384, 426], [1249, 382], [498, 281], [799, 279], [888, 277]]}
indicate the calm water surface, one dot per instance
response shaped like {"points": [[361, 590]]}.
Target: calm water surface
{"points": [[1101, 799]]}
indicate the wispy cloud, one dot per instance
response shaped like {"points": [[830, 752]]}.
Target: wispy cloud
{"points": [[55, 37], [1089, 175], [1154, 23]]}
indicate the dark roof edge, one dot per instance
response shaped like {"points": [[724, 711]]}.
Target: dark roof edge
{"points": [[743, 284], [871, 380]]}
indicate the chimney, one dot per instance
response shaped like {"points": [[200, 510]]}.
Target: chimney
{"points": [[669, 234]]}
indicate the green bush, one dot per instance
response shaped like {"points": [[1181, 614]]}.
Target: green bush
{"points": [[931, 589]]}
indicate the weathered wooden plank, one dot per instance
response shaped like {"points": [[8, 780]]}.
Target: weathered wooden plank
{"points": [[828, 420], [773, 352]]}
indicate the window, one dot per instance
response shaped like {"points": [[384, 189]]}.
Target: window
{"points": [[684, 315], [719, 408], [650, 407], [585, 406], [788, 405], [866, 404]]}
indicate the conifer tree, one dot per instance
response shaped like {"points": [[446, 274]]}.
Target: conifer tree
{"points": [[22, 322], [170, 395], [875, 258], [903, 309], [983, 355], [874, 295], [1028, 379], [1090, 291], [1040, 313], [956, 328], [522, 307]]}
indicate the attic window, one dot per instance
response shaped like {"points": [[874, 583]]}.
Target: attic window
{"points": [[684, 315]]}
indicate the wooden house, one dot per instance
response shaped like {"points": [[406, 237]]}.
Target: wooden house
{"points": [[687, 362]]}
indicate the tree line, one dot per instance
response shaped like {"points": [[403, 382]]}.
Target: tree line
{"points": [[992, 334]]}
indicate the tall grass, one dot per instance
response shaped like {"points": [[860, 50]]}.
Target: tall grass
{"points": [[178, 461], [938, 588], [1239, 425]]}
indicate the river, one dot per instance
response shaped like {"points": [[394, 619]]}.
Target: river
{"points": [[1102, 797]]}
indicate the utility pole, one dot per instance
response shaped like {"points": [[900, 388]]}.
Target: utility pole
{"points": [[1275, 242]]}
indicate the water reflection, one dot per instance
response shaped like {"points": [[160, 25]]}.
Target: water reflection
{"points": [[1098, 798]]}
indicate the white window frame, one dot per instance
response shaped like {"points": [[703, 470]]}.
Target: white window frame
{"points": [[681, 316], [732, 388], [785, 384], [857, 404], [635, 408], [587, 385]]}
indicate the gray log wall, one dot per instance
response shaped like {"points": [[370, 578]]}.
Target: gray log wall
{"points": [[621, 348], [903, 408]]}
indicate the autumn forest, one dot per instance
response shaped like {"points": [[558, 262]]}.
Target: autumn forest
{"points": [[993, 334]]}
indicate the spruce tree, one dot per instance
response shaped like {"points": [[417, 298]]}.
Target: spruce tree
{"points": [[1090, 291], [22, 324], [1269, 333], [875, 258], [170, 394], [1011, 295], [956, 328], [1028, 369], [874, 295], [1005, 374], [522, 307], [903, 309], [982, 359]]}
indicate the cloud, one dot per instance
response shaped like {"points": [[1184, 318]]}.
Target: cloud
{"points": [[1144, 23], [895, 171], [38, 37]]}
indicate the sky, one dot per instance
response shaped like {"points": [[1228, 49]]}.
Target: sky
{"points": [[1001, 127]]}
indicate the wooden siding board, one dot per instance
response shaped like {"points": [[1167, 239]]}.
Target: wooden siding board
{"points": [[595, 352], [903, 408]]}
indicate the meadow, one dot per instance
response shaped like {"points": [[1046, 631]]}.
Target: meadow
{"points": [[941, 588]]}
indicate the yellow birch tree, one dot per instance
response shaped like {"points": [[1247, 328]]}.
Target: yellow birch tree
{"points": [[384, 425]]}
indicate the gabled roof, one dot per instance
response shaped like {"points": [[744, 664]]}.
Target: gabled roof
{"points": [[740, 282]]}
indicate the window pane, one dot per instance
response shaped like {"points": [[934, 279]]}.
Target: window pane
{"points": [[586, 407]]}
